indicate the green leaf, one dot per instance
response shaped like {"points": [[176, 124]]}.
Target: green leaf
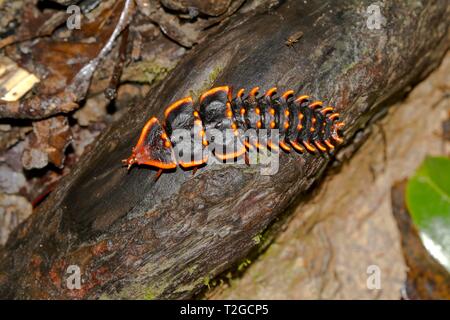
{"points": [[428, 201]]}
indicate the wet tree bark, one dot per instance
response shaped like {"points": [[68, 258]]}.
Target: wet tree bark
{"points": [[134, 238]]}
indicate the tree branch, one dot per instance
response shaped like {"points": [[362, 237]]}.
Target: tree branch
{"points": [[136, 238]]}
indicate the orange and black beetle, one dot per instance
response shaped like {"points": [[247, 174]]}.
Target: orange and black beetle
{"points": [[303, 124]]}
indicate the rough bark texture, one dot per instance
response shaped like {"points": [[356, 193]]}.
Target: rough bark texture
{"points": [[135, 238], [347, 224]]}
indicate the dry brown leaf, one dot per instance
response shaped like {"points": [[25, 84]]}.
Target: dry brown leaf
{"points": [[35, 24], [47, 143], [68, 83]]}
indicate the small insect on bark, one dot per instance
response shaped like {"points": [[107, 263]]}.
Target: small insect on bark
{"points": [[293, 39]]}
